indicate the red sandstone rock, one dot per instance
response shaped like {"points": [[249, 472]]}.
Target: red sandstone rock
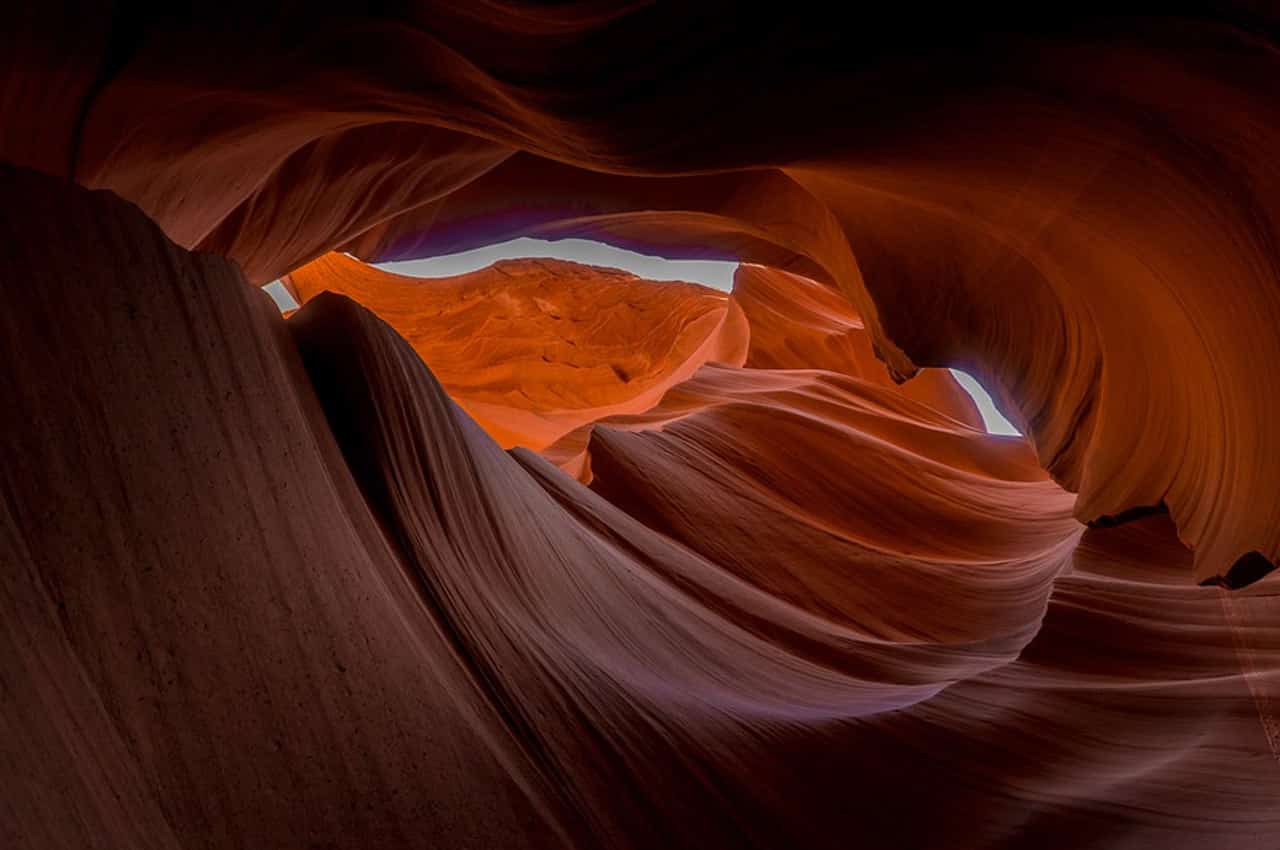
{"points": [[265, 585], [253, 634], [797, 323], [1056, 211]]}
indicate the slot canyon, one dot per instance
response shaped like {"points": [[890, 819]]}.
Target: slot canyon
{"points": [[549, 554]]}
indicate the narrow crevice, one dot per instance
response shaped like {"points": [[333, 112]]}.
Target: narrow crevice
{"points": [[1128, 515], [1247, 569]]}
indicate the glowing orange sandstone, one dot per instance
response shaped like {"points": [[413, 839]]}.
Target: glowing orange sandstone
{"points": [[535, 348]]}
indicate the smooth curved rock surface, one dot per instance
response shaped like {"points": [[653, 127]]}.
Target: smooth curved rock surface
{"points": [[266, 584], [797, 323], [1082, 214], [306, 598], [208, 640]]}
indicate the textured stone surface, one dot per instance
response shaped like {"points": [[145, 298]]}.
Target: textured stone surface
{"points": [[535, 348], [266, 583]]}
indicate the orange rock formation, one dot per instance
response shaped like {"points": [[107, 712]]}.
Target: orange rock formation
{"points": [[267, 583], [533, 349]]}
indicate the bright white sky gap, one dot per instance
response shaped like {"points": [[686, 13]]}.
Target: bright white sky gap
{"points": [[993, 419], [281, 296], [717, 274]]}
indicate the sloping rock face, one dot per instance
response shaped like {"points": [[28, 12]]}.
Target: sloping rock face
{"points": [[208, 639], [639, 565]]}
